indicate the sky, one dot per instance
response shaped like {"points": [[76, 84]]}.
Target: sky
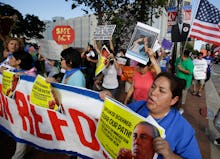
{"points": [[47, 9]]}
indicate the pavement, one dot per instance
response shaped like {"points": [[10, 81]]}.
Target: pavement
{"points": [[199, 111]]}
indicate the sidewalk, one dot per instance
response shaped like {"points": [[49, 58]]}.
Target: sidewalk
{"points": [[202, 125]]}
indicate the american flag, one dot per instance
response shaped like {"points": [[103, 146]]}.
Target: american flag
{"points": [[206, 25]]}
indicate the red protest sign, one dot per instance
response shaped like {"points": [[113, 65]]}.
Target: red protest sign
{"points": [[63, 35]]}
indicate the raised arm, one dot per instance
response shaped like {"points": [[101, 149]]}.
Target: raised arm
{"points": [[96, 48], [111, 44], [154, 62]]}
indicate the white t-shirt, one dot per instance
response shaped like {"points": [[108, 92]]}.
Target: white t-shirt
{"points": [[110, 80]]}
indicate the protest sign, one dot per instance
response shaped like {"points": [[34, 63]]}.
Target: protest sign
{"points": [[104, 32], [116, 125], [143, 34], [102, 60], [9, 82], [63, 35], [127, 72], [72, 132], [166, 44], [41, 94], [200, 68], [50, 49]]}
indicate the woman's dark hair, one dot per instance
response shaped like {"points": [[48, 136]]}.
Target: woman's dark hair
{"points": [[91, 46], [72, 57], [176, 85], [26, 59]]}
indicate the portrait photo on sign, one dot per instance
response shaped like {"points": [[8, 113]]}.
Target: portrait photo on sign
{"points": [[143, 35], [142, 142]]}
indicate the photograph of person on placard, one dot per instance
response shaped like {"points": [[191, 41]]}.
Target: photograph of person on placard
{"points": [[138, 45], [143, 36], [142, 142]]}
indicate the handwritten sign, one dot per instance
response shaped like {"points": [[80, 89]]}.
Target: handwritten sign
{"points": [[104, 32], [63, 35]]}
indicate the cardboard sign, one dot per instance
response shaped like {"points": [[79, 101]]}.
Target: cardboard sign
{"points": [[116, 126], [63, 35], [50, 49], [104, 32]]}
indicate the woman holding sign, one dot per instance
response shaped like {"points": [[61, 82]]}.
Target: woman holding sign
{"points": [[180, 140]]}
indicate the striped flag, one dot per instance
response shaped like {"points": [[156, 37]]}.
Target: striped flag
{"points": [[206, 25]]}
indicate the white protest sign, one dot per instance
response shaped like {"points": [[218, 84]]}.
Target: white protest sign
{"points": [[50, 49], [104, 32]]}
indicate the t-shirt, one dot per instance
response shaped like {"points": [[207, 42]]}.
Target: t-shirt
{"points": [[76, 79], [142, 84]]}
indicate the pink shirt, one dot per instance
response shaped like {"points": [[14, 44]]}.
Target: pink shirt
{"points": [[142, 84]]}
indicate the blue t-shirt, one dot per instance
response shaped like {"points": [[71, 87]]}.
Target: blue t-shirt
{"points": [[209, 62], [76, 79], [179, 133]]}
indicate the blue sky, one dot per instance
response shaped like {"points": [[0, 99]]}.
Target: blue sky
{"points": [[46, 9]]}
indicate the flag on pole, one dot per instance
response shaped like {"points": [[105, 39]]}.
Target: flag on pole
{"points": [[206, 24]]}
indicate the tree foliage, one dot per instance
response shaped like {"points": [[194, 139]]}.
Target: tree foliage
{"points": [[124, 13], [28, 27]]}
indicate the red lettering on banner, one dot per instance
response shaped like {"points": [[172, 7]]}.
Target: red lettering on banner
{"points": [[4, 109], [94, 145], [22, 106], [56, 124], [37, 120]]}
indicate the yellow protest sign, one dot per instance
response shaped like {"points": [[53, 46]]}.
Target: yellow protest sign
{"points": [[42, 95], [9, 82], [102, 61], [117, 125]]}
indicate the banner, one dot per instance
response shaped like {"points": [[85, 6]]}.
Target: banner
{"points": [[104, 32], [76, 130], [72, 132], [116, 131]]}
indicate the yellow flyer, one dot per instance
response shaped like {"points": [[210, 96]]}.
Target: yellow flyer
{"points": [[41, 94], [9, 82], [118, 127]]}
